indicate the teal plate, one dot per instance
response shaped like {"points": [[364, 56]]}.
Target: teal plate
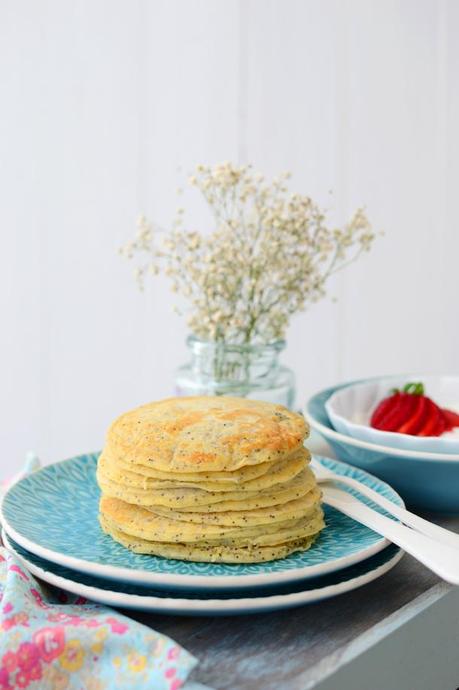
{"points": [[53, 514], [199, 603]]}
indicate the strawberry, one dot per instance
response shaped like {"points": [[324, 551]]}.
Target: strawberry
{"points": [[389, 417], [434, 424], [410, 411], [415, 422], [441, 425], [396, 410], [382, 410], [451, 419]]}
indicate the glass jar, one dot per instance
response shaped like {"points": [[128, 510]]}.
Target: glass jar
{"points": [[250, 371]]}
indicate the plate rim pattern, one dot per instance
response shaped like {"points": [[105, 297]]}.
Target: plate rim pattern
{"points": [[191, 581]]}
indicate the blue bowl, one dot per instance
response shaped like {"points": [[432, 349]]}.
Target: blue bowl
{"points": [[424, 480]]}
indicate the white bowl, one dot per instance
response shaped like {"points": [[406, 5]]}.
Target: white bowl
{"points": [[350, 410], [425, 480]]}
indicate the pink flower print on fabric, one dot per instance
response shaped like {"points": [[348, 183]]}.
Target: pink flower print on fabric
{"points": [[86, 622], [92, 623], [69, 619], [5, 680], [20, 618], [50, 643], [16, 569], [8, 607], [173, 653], [75, 620], [28, 655], [57, 617], [116, 626], [38, 598], [22, 679], [35, 672], [8, 623], [9, 662]]}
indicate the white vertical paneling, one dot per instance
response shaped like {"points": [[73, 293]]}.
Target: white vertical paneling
{"points": [[20, 293], [192, 107], [449, 278], [394, 300], [102, 102], [292, 124], [68, 180], [350, 95]]}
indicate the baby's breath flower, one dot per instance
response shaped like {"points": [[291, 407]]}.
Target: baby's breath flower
{"points": [[269, 255]]}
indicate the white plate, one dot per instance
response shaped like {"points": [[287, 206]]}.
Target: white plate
{"points": [[350, 409], [308, 591]]}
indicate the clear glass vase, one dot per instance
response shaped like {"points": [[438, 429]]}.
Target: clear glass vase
{"points": [[251, 371]]}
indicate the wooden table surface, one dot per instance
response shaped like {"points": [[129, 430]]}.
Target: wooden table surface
{"points": [[296, 648]]}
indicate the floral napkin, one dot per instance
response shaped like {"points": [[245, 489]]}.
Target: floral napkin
{"points": [[53, 640]]}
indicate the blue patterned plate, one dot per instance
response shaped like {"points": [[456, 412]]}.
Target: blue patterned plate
{"points": [[53, 514], [242, 601]]}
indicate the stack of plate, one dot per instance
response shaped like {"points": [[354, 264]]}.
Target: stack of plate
{"points": [[50, 521]]}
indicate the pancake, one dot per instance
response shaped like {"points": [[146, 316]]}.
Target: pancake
{"points": [[208, 554], [243, 474], [206, 434], [139, 522], [293, 510], [209, 501], [291, 533], [280, 472], [211, 479]]}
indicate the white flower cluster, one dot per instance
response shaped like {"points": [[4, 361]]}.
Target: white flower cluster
{"points": [[269, 254]]}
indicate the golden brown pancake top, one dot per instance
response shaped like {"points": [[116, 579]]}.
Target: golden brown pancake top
{"points": [[204, 434]]}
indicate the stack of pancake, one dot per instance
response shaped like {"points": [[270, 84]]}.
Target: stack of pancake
{"points": [[214, 479]]}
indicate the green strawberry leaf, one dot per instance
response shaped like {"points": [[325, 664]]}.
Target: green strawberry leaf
{"points": [[416, 388]]}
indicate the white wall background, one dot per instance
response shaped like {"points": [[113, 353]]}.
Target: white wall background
{"points": [[103, 100]]}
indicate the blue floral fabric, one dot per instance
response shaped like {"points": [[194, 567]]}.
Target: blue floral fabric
{"points": [[52, 640]]}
